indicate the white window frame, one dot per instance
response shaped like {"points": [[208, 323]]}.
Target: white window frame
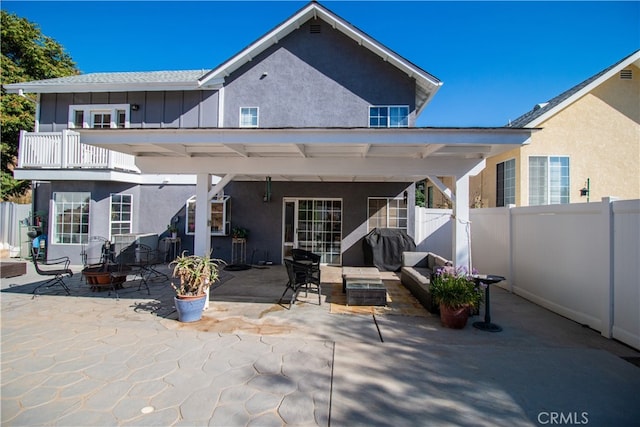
{"points": [[508, 184], [111, 212], [388, 216], [65, 228], [389, 115], [250, 111], [190, 216], [552, 193], [89, 109]]}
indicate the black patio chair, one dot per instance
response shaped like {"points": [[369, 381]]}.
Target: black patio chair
{"points": [[312, 261], [139, 260], [57, 274], [300, 276]]}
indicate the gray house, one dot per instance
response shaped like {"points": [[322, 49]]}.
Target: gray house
{"points": [[306, 138]]}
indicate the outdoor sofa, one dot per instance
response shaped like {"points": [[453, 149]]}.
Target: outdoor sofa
{"points": [[416, 272]]}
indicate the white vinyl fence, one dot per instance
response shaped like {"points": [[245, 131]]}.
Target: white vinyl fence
{"points": [[581, 261], [12, 234]]}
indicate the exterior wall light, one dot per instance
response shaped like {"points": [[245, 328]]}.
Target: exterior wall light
{"points": [[584, 191]]}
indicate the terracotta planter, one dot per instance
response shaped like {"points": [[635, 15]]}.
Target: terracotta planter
{"points": [[453, 318]]}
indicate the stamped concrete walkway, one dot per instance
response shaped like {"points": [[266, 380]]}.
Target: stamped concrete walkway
{"points": [[91, 360]]}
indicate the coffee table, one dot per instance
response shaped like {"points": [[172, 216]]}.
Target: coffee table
{"points": [[358, 273], [366, 292]]}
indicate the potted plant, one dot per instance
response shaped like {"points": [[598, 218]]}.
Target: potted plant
{"points": [[173, 230], [457, 293], [239, 233], [196, 274]]}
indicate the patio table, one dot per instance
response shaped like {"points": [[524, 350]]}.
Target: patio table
{"points": [[488, 279]]}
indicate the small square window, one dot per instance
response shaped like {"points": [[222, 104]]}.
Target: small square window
{"points": [[249, 117]]}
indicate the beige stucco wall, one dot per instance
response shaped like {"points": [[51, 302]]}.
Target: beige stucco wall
{"points": [[600, 133]]}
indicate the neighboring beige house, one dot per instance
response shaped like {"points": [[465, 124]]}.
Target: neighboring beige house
{"points": [[588, 146]]}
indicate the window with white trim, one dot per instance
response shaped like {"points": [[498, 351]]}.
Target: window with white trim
{"points": [[506, 183], [71, 217], [121, 214], [99, 116], [387, 213], [218, 218], [389, 116], [548, 180], [249, 117]]}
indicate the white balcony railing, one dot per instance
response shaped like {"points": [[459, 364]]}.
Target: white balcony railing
{"points": [[63, 150]]}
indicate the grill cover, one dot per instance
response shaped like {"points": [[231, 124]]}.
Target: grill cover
{"points": [[383, 248]]}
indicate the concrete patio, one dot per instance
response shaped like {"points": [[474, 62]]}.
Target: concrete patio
{"points": [[91, 360]]}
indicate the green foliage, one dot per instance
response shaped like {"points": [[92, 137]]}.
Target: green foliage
{"points": [[421, 198], [455, 288], [239, 233], [26, 55], [196, 273]]}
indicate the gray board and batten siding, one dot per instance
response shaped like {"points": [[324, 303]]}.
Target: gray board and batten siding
{"points": [[165, 109]]}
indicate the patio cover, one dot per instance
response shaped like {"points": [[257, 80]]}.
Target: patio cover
{"points": [[316, 154]]}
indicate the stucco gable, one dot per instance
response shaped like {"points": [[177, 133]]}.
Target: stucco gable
{"points": [[542, 112], [426, 84]]}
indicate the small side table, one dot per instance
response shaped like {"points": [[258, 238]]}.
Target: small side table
{"points": [[173, 247], [487, 279]]}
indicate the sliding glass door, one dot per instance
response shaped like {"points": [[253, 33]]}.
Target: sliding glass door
{"points": [[314, 225]]}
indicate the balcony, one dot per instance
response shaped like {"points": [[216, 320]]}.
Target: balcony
{"points": [[63, 150]]}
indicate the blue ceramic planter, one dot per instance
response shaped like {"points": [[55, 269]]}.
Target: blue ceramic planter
{"points": [[190, 310]]}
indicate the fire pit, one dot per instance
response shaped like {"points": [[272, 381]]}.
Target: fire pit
{"points": [[104, 276]]}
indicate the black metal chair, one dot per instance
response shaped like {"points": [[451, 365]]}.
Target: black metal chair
{"points": [[297, 279], [57, 274], [142, 260], [312, 262], [300, 276]]}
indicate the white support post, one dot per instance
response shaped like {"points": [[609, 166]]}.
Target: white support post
{"points": [[202, 238], [608, 264], [461, 224], [22, 150], [64, 144]]}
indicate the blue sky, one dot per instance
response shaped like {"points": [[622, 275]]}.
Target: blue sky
{"points": [[496, 59]]}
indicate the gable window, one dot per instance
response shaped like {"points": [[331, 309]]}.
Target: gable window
{"points": [[71, 217], [387, 213], [506, 183], [249, 117], [121, 212], [548, 180], [99, 116], [389, 116]]}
